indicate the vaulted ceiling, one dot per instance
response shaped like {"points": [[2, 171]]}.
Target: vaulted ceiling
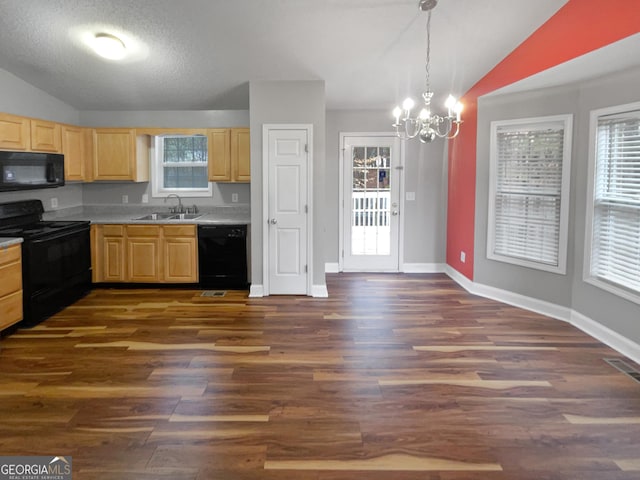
{"points": [[201, 54]]}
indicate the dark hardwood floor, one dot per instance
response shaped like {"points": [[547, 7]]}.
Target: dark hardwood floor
{"points": [[401, 377]]}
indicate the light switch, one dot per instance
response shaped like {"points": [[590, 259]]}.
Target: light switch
{"points": [[411, 196]]}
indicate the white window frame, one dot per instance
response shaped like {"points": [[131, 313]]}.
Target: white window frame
{"points": [[156, 154], [588, 276], [537, 123]]}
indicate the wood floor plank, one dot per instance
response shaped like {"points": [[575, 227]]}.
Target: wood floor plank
{"points": [[393, 377]]}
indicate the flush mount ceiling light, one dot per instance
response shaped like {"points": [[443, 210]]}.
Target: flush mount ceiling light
{"points": [[427, 124], [109, 46]]}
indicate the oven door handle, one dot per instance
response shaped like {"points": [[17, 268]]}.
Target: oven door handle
{"points": [[62, 235]]}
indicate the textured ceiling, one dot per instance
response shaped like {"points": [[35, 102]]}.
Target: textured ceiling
{"points": [[201, 54]]}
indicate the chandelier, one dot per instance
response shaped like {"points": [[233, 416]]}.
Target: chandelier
{"points": [[426, 124]]}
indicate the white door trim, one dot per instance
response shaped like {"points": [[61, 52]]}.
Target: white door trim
{"points": [[401, 195], [265, 200]]}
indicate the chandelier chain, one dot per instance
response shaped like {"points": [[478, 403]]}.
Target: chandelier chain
{"points": [[427, 72]]}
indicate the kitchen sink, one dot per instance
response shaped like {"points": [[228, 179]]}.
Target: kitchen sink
{"points": [[170, 216], [186, 216], [156, 216]]}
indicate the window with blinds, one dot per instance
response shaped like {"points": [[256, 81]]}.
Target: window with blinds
{"points": [[529, 192], [615, 193]]}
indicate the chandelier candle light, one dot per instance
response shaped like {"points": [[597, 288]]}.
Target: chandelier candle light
{"points": [[426, 124]]}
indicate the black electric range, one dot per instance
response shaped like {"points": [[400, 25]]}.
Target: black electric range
{"points": [[56, 258]]}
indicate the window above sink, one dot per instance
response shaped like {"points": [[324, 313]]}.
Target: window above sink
{"points": [[179, 164]]}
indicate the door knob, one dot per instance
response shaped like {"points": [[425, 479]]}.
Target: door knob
{"points": [[394, 212], [273, 221]]}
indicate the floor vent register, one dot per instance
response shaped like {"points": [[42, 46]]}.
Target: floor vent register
{"points": [[213, 293], [624, 367]]}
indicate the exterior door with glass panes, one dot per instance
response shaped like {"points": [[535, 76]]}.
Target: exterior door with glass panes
{"points": [[371, 203]]}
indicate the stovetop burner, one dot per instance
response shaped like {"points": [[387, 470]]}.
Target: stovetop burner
{"points": [[24, 219]]}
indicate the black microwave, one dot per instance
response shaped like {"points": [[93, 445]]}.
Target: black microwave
{"points": [[27, 170]]}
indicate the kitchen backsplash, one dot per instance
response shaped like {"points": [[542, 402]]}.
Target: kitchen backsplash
{"points": [[78, 194]]}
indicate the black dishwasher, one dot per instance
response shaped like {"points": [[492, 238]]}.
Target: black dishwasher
{"points": [[222, 256]]}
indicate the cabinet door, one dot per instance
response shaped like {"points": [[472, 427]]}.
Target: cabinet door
{"points": [[143, 253], [240, 155], [180, 260], [113, 258], [180, 254], [45, 136], [219, 155], [10, 286], [75, 153], [10, 309], [14, 132], [114, 154]]}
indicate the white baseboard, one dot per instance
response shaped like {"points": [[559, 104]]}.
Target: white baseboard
{"points": [[256, 291], [606, 335], [598, 331], [319, 291], [423, 268], [331, 267]]}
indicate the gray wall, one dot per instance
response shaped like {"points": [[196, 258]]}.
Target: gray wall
{"points": [[568, 290], [546, 286], [424, 174], [612, 311], [20, 98], [288, 102]]}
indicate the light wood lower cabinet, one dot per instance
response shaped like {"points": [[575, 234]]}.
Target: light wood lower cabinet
{"points": [[180, 247], [10, 286], [144, 253]]}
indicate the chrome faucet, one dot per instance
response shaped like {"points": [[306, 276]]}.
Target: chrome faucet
{"points": [[178, 208]]}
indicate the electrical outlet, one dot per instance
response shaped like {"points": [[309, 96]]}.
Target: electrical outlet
{"points": [[54, 202], [145, 198], [234, 197], [125, 198], [411, 196], [463, 257]]}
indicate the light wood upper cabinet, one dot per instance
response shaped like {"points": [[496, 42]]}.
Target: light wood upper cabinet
{"points": [[11, 286], [229, 155], [76, 146], [219, 143], [119, 154], [14, 132], [46, 136], [240, 155]]}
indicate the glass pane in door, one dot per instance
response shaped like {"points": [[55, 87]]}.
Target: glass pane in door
{"points": [[371, 201]]}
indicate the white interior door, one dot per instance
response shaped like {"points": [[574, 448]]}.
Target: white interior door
{"points": [[371, 203], [287, 211]]}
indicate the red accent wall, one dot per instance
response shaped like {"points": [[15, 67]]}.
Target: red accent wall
{"points": [[579, 27]]}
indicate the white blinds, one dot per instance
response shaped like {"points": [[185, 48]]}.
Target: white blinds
{"points": [[616, 221], [528, 161]]}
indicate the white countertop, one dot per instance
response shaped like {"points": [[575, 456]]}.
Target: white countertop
{"points": [[118, 214]]}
